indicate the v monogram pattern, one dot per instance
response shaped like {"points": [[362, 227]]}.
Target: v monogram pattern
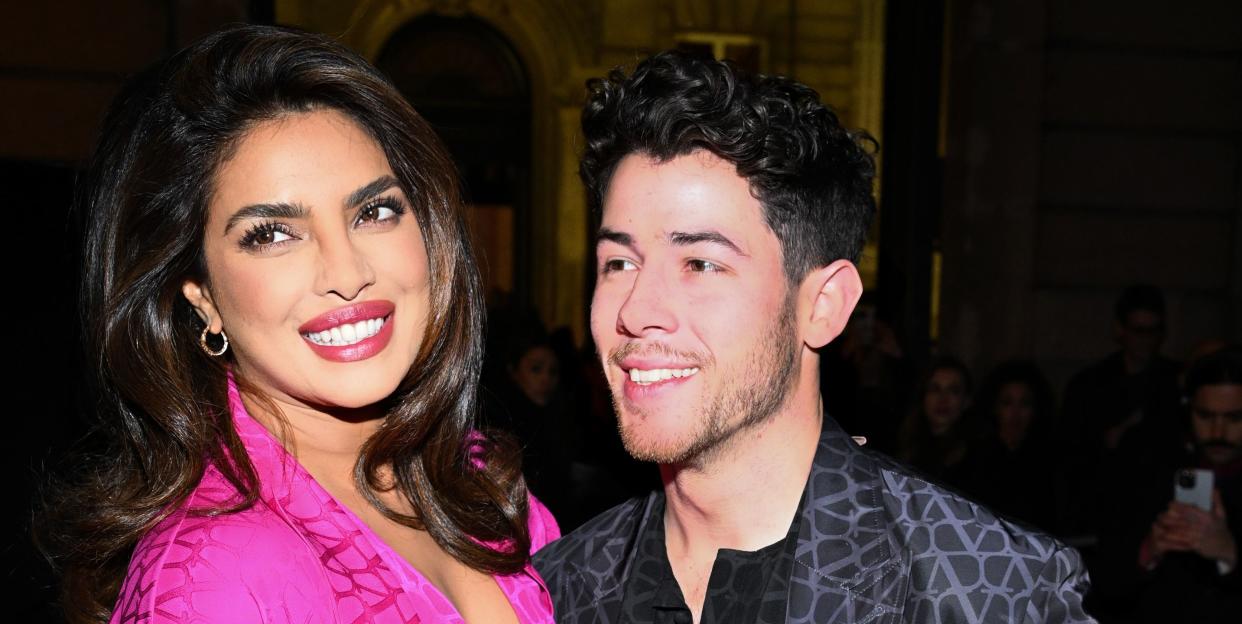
{"points": [[876, 543]]}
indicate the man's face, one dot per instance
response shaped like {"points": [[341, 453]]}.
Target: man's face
{"points": [[1140, 334], [692, 313], [1216, 417]]}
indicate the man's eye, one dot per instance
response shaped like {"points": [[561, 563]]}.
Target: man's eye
{"points": [[703, 266], [613, 265]]}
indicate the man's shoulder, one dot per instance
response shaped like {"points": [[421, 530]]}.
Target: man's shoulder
{"points": [[607, 534], [960, 552], [936, 518]]}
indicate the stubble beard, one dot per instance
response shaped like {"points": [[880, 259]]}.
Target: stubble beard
{"points": [[715, 426]]}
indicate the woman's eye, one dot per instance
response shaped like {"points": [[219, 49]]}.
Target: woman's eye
{"points": [[380, 211], [265, 235], [703, 266], [613, 265]]}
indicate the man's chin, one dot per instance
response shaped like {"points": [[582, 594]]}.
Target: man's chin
{"points": [[645, 439], [1222, 457]]}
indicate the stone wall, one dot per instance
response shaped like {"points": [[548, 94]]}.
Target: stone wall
{"points": [[1091, 145]]}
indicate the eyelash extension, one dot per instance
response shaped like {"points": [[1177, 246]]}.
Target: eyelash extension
{"points": [[392, 203], [266, 227]]}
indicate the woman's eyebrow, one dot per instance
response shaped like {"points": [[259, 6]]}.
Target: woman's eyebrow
{"points": [[369, 190], [277, 210], [286, 210]]}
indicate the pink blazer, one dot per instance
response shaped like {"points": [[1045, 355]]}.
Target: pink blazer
{"points": [[297, 555]]}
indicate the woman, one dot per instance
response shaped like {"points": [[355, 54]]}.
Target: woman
{"points": [[529, 406], [1012, 470], [284, 320], [937, 434]]}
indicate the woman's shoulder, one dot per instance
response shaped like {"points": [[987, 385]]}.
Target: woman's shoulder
{"points": [[541, 525], [207, 566]]}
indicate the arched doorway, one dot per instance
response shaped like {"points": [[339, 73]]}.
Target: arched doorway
{"points": [[466, 79]]}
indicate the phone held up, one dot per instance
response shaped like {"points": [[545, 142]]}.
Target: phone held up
{"points": [[1193, 486]]}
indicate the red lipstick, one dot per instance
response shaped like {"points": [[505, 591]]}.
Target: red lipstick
{"points": [[360, 350]]}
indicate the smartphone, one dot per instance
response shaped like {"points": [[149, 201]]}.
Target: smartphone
{"points": [[1193, 487]]}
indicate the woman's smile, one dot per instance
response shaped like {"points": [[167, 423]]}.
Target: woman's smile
{"points": [[350, 333]]}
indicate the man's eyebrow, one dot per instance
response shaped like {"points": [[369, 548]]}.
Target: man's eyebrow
{"points": [[620, 238], [285, 210], [381, 184], [706, 236], [278, 210]]}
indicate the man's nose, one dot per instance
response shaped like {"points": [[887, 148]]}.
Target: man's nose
{"points": [[1217, 428], [646, 309]]}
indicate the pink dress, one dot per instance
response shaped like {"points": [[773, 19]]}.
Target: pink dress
{"points": [[297, 556]]}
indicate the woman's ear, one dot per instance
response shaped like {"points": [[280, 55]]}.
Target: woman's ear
{"points": [[826, 299], [200, 299]]}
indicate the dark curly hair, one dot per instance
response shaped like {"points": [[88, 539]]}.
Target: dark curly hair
{"points": [[161, 403], [812, 177], [1219, 367]]}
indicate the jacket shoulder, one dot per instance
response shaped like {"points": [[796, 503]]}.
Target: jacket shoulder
{"points": [[961, 553], [608, 535], [943, 520]]}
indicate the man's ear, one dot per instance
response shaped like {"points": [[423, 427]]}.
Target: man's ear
{"points": [[826, 299], [199, 296]]}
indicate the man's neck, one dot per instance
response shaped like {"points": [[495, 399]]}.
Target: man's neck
{"points": [[743, 498]]}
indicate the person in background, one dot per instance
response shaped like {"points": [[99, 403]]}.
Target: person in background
{"points": [[1131, 396], [939, 431], [1119, 410], [536, 371], [1172, 561], [866, 378], [529, 405], [1013, 469]]}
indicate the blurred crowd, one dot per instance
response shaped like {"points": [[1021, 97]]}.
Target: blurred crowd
{"points": [[1136, 461]]}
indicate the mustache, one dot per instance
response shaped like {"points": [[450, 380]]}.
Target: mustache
{"points": [[631, 349]]}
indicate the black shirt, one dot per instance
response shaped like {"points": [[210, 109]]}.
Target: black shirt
{"points": [[744, 587]]}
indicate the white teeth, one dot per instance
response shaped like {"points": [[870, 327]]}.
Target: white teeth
{"points": [[659, 374], [347, 334]]}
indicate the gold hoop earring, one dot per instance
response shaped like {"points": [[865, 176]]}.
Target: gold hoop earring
{"points": [[202, 342]]}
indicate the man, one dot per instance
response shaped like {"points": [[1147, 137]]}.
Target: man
{"points": [[1117, 412], [1130, 397], [1183, 560], [733, 207]]}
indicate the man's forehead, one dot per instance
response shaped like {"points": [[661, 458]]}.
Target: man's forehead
{"points": [[652, 201], [1222, 397]]}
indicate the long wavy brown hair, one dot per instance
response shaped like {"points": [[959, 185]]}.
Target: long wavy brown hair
{"points": [[161, 403]]}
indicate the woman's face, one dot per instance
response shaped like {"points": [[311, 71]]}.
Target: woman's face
{"points": [[945, 399], [317, 270], [537, 373], [1015, 409]]}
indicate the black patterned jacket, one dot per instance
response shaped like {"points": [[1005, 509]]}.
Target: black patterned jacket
{"points": [[876, 544]]}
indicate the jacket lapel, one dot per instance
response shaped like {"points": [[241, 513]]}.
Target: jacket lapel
{"points": [[599, 591], [848, 566]]}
